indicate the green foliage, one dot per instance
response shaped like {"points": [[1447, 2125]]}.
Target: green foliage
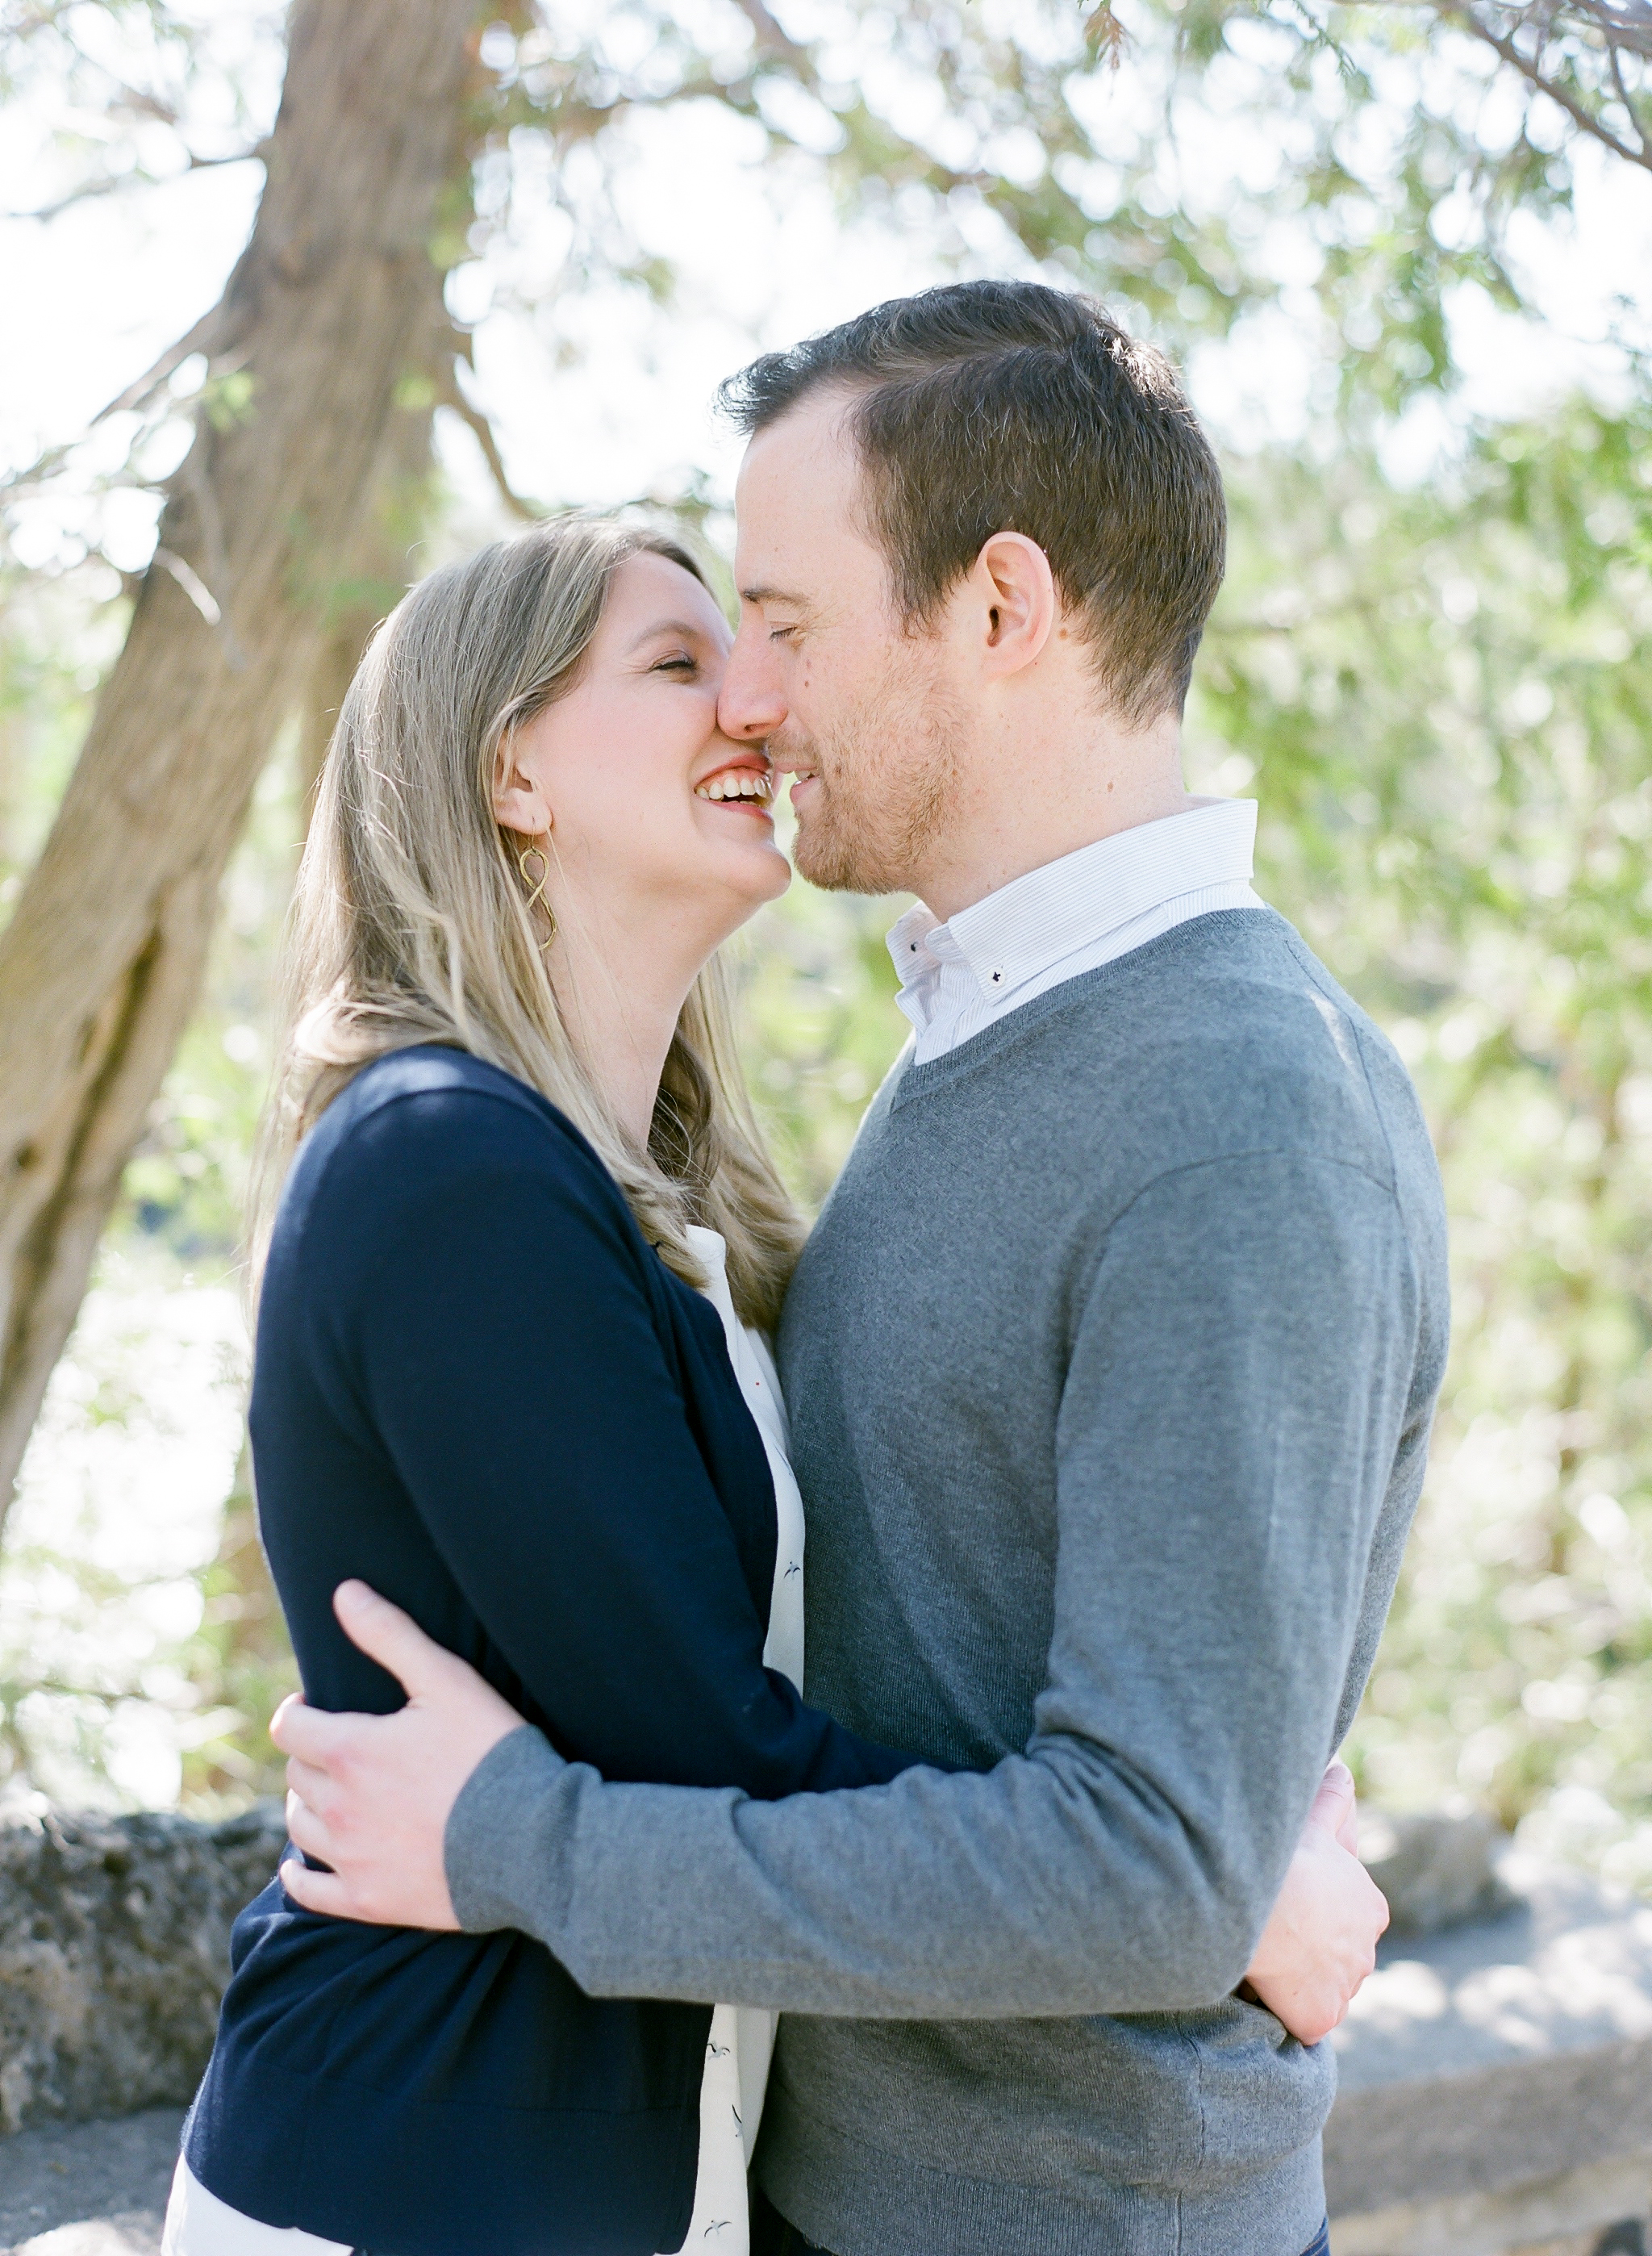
{"points": [[55, 642], [822, 1028], [238, 1665], [141, 66], [103, 1681], [1441, 691], [1446, 697]]}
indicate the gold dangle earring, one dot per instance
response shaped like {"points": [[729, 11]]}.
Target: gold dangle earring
{"points": [[536, 898]]}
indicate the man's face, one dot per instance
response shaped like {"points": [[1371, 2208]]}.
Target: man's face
{"points": [[823, 669]]}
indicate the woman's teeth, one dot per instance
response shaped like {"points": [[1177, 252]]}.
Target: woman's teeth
{"points": [[741, 783]]}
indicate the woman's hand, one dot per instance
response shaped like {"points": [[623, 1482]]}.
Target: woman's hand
{"points": [[1321, 1937]]}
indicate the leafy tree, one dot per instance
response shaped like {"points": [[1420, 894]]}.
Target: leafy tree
{"points": [[333, 301], [1439, 688], [1445, 697]]}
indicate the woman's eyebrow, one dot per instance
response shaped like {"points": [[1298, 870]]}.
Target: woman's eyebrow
{"points": [[683, 627]]}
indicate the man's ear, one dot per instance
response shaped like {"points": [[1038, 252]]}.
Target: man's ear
{"points": [[1016, 600], [519, 803]]}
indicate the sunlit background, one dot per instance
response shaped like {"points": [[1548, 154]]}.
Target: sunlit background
{"points": [[1415, 308]]}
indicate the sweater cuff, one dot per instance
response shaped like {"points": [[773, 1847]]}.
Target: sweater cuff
{"points": [[493, 1838]]}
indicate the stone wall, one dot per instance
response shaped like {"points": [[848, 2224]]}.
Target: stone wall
{"points": [[1496, 2082], [114, 1953], [1496, 2072]]}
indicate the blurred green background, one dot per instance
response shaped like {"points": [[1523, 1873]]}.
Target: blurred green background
{"points": [[1431, 666]]}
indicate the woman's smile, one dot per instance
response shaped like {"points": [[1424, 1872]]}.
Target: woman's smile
{"points": [[745, 786]]}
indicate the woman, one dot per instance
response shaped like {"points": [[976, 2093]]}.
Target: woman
{"points": [[509, 1371]]}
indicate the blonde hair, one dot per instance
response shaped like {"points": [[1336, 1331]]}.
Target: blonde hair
{"points": [[410, 924]]}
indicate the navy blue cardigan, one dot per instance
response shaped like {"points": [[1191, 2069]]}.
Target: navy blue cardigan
{"points": [[477, 1387]]}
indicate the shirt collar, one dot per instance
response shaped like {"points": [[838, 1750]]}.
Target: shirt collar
{"points": [[1035, 921]]}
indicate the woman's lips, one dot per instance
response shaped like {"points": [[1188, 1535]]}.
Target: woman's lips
{"points": [[745, 786]]}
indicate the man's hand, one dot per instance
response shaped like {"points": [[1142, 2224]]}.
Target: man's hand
{"points": [[370, 1794], [1321, 1938]]}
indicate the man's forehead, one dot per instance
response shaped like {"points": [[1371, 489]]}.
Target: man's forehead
{"points": [[799, 486], [805, 455]]}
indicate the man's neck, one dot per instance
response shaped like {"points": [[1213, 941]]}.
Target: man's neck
{"points": [[1002, 841], [1044, 773]]}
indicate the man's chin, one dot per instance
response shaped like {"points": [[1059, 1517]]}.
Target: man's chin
{"points": [[833, 864]]}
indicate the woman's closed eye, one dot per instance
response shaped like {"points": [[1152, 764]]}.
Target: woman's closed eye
{"points": [[683, 663]]}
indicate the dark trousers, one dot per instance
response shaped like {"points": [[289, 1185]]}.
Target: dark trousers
{"points": [[772, 2236]]}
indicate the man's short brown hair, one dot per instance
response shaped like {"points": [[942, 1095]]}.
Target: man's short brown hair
{"points": [[990, 407]]}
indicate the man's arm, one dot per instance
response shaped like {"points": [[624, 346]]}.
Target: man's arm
{"points": [[389, 1783], [1235, 1393]]}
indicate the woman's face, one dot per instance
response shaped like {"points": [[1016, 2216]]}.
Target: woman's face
{"points": [[653, 813]]}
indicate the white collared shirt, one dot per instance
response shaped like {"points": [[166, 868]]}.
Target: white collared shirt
{"points": [[1070, 916]]}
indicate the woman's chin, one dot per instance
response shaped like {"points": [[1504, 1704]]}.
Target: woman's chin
{"points": [[776, 875], [756, 869]]}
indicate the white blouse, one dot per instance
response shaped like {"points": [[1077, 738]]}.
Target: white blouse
{"points": [[742, 2041]]}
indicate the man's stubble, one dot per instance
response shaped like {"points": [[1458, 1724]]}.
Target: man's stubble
{"points": [[888, 787]]}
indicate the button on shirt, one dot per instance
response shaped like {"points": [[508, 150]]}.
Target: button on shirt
{"points": [[1070, 916]]}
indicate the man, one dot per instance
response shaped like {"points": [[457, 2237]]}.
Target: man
{"points": [[1111, 1363]]}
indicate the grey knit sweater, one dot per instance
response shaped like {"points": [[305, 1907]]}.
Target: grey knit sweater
{"points": [[1111, 1364]]}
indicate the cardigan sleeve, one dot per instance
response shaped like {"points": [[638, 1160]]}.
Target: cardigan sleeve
{"points": [[493, 1323]]}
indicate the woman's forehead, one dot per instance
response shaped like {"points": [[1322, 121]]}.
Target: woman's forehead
{"points": [[653, 592]]}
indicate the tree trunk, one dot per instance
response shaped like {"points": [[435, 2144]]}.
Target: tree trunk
{"points": [[103, 957], [379, 571]]}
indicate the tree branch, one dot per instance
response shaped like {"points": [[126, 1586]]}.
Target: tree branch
{"points": [[207, 335], [1533, 73], [481, 429], [1627, 26], [135, 180], [772, 40], [18, 23], [1633, 115]]}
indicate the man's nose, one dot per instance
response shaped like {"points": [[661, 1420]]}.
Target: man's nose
{"points": [[750, 703]]}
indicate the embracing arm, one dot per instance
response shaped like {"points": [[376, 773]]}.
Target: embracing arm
{"points": [[1235, 1396], [498, 1332]]}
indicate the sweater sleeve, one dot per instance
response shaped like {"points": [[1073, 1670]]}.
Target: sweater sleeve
{"points": [[501, 1345], [1232, 1410]]}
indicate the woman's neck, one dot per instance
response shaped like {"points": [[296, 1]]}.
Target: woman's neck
{"points": [[621, 997]]}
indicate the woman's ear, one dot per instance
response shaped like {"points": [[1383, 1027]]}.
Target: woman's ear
{"points": [[1015, 591], [519, 802]]}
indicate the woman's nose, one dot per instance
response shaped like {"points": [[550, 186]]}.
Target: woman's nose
{"points": [[749, 703]]}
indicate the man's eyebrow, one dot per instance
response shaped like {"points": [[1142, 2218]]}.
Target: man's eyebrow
{"points": [[774, 595]]}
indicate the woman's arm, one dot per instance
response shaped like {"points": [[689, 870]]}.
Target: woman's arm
{"points": [[500, 1337]]}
